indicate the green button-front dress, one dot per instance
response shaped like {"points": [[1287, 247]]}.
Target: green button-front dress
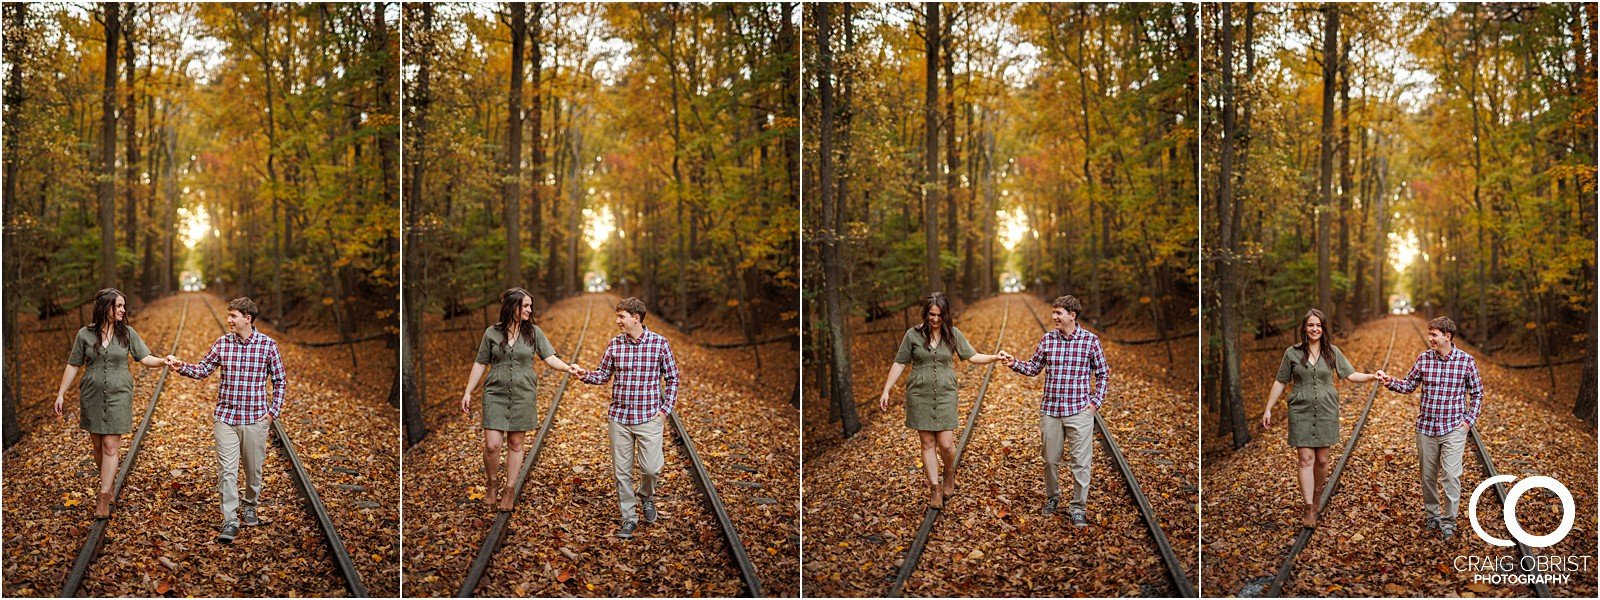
{"points": [[1314, 402], [105, 394], [508, 395], [931, 389]]}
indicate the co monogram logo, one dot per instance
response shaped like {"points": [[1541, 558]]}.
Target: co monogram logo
{"points": [[1568, 511]]}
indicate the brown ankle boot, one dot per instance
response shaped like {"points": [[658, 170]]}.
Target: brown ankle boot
{"points": [[102, 508], [1310, 518]]}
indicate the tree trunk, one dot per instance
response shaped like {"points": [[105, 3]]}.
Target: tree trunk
{"points": [[510, 168], [108, 149], [1330, 70], [536, 115], [1344, 307], [413, 382], [1227, 312], [930, 151], [16, 43], [833, 223], [130, 118], [952, 160], [1481, 311]]}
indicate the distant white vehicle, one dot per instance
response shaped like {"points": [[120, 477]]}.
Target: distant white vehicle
{"points": [[1401, 306], [596, 283], [1011, 284]]}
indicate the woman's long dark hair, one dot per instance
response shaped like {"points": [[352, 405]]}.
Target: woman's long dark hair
{"points": [[936, 299], [1305, 343], [105, 301], [510, 305]]}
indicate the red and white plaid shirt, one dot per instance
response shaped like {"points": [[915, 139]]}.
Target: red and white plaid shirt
{"points": [[246, 366], [1452, 391], [646, 377], [1071, 360]]}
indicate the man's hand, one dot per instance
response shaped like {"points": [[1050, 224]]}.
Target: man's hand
{"points": [[269, 419]]}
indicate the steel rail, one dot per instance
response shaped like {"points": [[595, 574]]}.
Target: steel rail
{"points": [[702, 478]]}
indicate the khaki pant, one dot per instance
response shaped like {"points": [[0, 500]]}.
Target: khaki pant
{"points": [[234, 442], [1077, 431], [647, 437], [1434, 452]]}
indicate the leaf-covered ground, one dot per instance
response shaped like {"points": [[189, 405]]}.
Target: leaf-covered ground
{"points": [[1371, 541], [161, 537], [561, 538], [991, 540]]}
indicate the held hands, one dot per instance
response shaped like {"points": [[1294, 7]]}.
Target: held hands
{"points": [[1007, 358], [172, 361], [575, 370], [1383, 377]]}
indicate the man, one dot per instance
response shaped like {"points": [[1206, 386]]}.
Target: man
{"points": [[244, 409], [645, 389], [1072, 354], [1452, 394]]}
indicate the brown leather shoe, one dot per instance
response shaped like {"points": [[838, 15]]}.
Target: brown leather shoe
{"points": [[1310, 518], [102, 508]]}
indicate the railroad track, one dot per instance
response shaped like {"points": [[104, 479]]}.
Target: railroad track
{"points": [[702, 479], [1147, 513], [302, 480], [931, 515], [1303, 538], [97, 531]]}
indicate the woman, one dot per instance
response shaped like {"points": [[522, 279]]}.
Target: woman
{"points": [[509, 407], [931, 390], [1314, 404], [105, 396]]}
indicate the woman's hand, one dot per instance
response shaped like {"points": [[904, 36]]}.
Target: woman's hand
{"points": [[59, 402], [883, 402], [1266, 418], [466, 403]]}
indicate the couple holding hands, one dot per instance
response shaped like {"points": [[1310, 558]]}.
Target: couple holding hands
{"points": [[1452, 396], [1071, 356], [245, 409], [644, 390]]}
